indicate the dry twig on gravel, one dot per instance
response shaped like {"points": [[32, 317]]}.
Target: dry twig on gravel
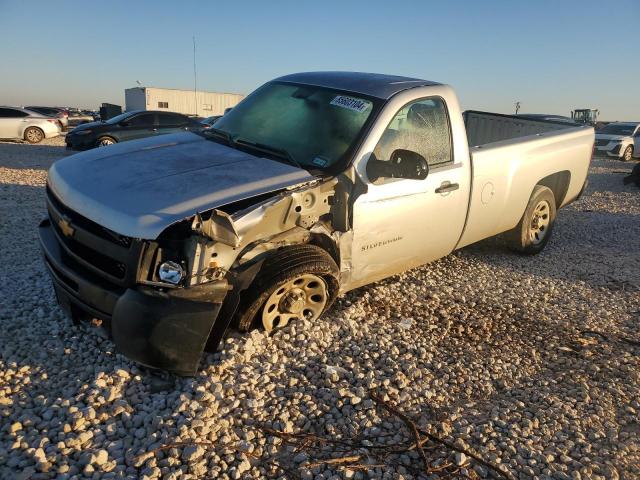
{"points": [[412, 426]]}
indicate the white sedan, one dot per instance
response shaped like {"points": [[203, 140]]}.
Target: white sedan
{"points": [[619, 140], [22, 124]]}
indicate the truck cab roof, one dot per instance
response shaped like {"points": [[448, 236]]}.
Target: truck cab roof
{"points": [[371, 84]]}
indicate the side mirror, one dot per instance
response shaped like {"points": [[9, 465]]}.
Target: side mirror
{"points": [[403, 164]]}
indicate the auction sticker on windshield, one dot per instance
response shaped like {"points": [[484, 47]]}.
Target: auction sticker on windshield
{"points": [[354, 104]]}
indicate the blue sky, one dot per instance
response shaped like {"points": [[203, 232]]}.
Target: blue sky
{"points": [[552, 56]]}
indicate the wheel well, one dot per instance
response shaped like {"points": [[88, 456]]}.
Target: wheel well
{"points": [[31, 126], [328, 245], [558, 183]]}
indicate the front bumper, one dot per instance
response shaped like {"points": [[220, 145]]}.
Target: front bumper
{"points": [[79, 142], [608, 151], [159, 329]]}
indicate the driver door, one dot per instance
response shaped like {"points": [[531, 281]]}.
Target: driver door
{"points": [[140, 126], [400, 224]]}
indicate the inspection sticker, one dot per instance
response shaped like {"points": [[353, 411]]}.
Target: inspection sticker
{"points": [[320, 162], [354, 104]]}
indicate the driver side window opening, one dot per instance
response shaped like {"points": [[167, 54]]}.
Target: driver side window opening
{"points": [[421, 126]]}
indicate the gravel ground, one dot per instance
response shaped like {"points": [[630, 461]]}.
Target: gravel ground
{"points": [[485, 349]]}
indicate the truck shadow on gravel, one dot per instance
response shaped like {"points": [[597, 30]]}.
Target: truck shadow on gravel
{"points": [[27, 156]]}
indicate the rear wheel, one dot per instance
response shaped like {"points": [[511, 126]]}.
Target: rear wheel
{"points": [[298, 282], [534, 230], [628, 154], [33, 135], [105, 141]]}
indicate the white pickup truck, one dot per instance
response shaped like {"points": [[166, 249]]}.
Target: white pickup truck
{"points": [[315, 184]]}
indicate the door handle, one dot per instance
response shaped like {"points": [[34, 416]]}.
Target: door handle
{"points": [[154, 129], [446, 187]]}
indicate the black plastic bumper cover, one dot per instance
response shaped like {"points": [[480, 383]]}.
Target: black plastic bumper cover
{"points": [[162, 330], [166, 330]]}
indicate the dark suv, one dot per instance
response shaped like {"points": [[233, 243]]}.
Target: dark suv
{"points": [[129, 126]]}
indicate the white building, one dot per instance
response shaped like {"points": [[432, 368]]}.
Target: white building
{"points": [[188, 102]]}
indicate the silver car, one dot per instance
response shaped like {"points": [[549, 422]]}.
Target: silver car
{"points": [[60, 113], [77, 117], [22, 124]]}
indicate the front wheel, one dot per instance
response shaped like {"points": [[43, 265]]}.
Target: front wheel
{"points": [[294, 283], [105, 141], [628, 154], [534, 230]]}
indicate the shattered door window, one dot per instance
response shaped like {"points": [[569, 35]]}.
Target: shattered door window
{"points": [[421, 126]]}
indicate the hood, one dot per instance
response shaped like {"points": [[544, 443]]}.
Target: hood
{"points": [[604, 136], [141, 187]]}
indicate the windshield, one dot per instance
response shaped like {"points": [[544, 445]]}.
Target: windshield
{"points": [[613, 129], [315, 127], [119, 118]]}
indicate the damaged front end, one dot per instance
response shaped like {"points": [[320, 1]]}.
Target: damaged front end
{"points": [[160, 246], [220, 252]]}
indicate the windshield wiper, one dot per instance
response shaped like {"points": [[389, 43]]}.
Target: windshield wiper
{"points": [[278, 152], [221, 134]]}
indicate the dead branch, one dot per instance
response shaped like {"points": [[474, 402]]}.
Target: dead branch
{"points": [[394, 411], [335, 461], [408, 422], [630, 341]]}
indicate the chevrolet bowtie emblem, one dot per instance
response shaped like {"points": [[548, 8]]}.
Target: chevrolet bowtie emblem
{"points": [[65, 227]]}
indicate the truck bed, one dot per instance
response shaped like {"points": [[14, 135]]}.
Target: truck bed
{"points": [[484, 127], [509, 156]]}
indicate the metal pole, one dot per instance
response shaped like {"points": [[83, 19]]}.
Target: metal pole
{"points": [[195, 78]]}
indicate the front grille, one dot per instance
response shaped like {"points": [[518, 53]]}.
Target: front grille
{"points": [[104, 263], [112, 256], [87, 224], [601, 142]]}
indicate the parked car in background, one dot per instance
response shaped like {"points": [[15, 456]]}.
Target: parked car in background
{"points": [[60, 113], [618, 140], [94, 114], [209, 121], [22, 124], [78, 117], [129, 126]]}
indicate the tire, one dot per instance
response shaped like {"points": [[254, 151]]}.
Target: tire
{"points": [[105, 141], [627, 156], [294, 282], [33, 135], [534, 230]]}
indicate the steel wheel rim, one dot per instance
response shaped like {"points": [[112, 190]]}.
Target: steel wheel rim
{"points": [[105, 142], [304, 296], [34, 135], [540, 221]]}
